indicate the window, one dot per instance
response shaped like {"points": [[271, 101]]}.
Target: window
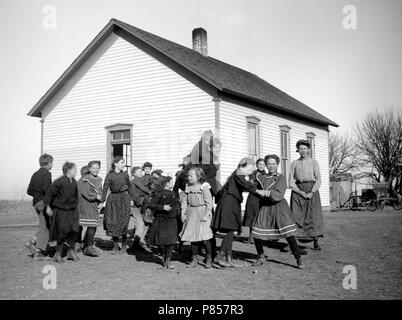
{"points": [[119, 143], [285, 149], [311, 139], [253, 137]]}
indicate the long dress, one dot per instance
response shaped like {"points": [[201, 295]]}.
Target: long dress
{"points": [[164, 227], [117, 211], [89, 187], [307, 213], [196, 205], [228, 211], [274, 219], [62, 196], [253, 201]]}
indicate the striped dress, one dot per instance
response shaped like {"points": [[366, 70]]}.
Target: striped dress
{"points": [[274, 220]]}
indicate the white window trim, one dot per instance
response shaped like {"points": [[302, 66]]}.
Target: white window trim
{"points": [[253, 120], [109, 130]]}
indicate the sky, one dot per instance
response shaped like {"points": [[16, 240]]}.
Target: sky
{"points": [[301, 47]]}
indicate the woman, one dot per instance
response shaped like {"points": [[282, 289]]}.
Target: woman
{"points": [[253, 202], [227, 218], [117, 213], [274, 220], [305, 202]]}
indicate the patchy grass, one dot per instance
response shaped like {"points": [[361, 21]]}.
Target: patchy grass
{"points": [[369, 241]]}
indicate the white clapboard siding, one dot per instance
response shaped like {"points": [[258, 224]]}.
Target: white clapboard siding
{"points": [[234, 140], [122, 84]]}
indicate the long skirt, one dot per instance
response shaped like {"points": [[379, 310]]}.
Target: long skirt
{"points": [[227, 216], [163, 231], [274, 221], [194, 229], [117, 214], [307, 213], [64, 225], [252, 209]]}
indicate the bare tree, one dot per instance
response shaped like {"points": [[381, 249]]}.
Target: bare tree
{"points": [[379, 140], [343, 156]]}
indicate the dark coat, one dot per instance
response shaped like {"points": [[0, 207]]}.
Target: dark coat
{"points": [[138, 191], [164, 227], [40, 182], [228, 211], [253, 201]]}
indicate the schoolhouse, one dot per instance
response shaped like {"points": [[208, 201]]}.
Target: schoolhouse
{"points": [[134, 94]]}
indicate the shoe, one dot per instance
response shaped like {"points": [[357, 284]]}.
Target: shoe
{"points": [[72, 255], [40, 255], [116, 248], [231, 263], [317, 246], [192, 263], [250, 240], [260, 261], [221, 261], [91, 252], [57, 258], [123, 249], [300, 263], [303, 252], [77, 247], [208, 262]]}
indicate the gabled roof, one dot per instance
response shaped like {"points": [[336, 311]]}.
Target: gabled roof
{"points": [[224, 77]]}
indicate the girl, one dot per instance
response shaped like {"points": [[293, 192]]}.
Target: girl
{"points": [[274, 220], [227, 218], [196, 205], [61, 200], [90, 191], [253, 202], [305, 202], [117, 213], [166, 208]]}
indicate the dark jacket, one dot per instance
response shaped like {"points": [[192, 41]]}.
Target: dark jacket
{"points": [[39, 184], [62, 194], [138, 191]]}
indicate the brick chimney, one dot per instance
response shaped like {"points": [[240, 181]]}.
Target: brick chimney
{"points": [[200, 43]]}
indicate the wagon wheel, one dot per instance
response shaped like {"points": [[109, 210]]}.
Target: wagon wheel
{"points": [[372, 206], [397, 204]]}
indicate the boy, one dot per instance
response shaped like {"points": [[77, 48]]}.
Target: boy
{"points": [[61, 200], [38, 186], [139, 192], [147, 168]]}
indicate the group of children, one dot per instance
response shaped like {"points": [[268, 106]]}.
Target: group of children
{"points": [[168, 213]]}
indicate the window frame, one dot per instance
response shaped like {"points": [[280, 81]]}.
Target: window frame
{"points": [[110, 141], [256, 122], [310, 136], [285, 161]]}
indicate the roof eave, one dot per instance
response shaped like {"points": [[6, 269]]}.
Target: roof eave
{"points": [[237, 94]]}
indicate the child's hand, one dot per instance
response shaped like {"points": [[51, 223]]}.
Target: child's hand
{"points": [[167, 207], [131, 203], [98, 197], [183, 218], [49, 211]]}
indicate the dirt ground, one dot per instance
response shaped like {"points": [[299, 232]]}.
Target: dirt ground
{"points": [[371, 242]]}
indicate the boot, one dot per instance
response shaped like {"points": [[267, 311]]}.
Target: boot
{"points": [[116, 248], [168, 263], [260, 260], [316, 245], [193, 262], [230, 262], [57, 257], [71, 255], [208, 263], [91, 252], [221, 261], [300, 263]]}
